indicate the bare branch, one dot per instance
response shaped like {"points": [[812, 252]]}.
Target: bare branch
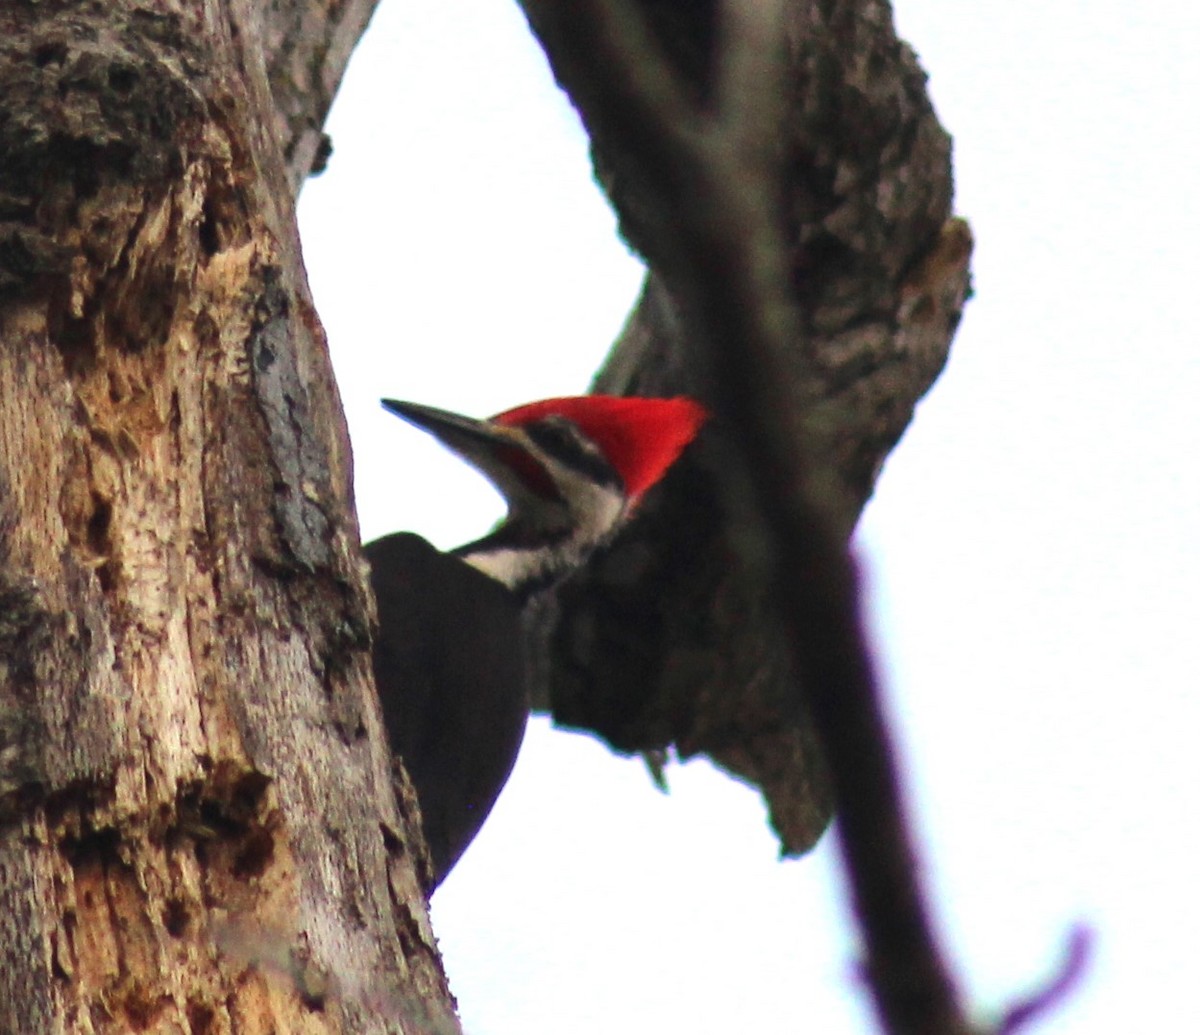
{"points": [[723, 258]]}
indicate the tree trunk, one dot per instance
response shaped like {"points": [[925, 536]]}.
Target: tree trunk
{"points": [[197, 826]]}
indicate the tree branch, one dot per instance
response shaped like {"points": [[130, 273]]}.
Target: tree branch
{"points": [[668, 638], [718, 189]]}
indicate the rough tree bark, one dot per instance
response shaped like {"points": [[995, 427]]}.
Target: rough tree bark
{"points": [[197, 827]]}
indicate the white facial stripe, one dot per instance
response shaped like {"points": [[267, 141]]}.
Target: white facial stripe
{"points": [[548, 561]]}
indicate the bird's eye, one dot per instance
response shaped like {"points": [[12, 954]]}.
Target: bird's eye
{"points": [[532, 474]]}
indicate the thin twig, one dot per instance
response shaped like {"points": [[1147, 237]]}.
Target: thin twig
{"points": [[1030, 1009]]}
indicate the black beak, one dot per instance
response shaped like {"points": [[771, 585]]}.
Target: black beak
{"points": [[486, 445], [499, 452], [465, 435]]}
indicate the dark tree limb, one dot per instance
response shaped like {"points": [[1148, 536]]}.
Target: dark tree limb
{"points": [[667, 639], [712, 183]]}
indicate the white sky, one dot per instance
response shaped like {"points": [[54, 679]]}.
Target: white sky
{"points": [[1031, 548]]}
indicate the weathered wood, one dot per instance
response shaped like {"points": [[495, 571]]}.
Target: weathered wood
{"points": [[197, 828]]}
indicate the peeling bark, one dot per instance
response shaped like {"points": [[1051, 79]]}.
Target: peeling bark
{"points": [[197, 826]]}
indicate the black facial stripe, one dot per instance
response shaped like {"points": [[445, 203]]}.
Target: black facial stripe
{"points": [[565, 443]]}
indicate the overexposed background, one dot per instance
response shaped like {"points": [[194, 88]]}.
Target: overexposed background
{"points": [[1031, 549]]}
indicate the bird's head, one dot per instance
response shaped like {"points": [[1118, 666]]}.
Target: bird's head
{"points": [[570, 469]]}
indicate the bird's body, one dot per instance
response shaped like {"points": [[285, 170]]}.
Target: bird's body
{"points": [[442, 624], [449, 659]]}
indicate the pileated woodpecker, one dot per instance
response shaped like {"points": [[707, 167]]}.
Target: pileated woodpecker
{"points": [[448, 658]]}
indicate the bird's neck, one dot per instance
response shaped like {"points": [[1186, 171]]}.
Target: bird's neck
{"points": [[525, 570], [528, 562]]}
